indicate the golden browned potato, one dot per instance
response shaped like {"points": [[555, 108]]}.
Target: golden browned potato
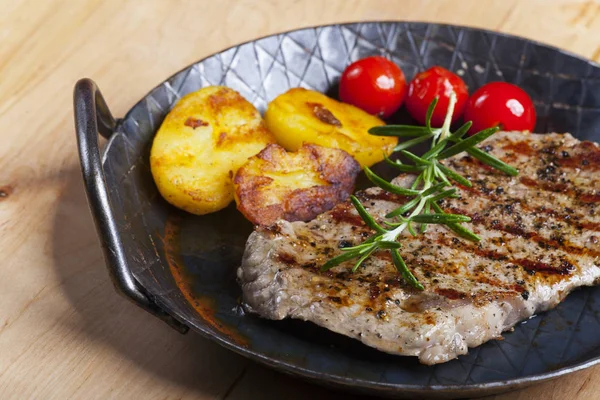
{"points": [[298, 186], [200, 145], [301, 115]]}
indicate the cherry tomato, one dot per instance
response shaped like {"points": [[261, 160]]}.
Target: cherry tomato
{"points": [[500, 103], [374, 84], [436, 82]]}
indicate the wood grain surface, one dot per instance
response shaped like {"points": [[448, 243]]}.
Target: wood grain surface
{"points": [[64, 332]]}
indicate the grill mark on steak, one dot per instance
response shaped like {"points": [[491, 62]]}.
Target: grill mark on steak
{"points": [[574, 219], [563, 188], [558, 242], [583, 155], [287, 258], [587, 155], [567, 188], [473, 190], [521, 147], [344, 213], [450, 293], [562, 268], [571, 218], [589, 197], [478, 165]]}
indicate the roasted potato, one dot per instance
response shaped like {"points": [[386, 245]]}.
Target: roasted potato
{"points": [[301, 115], [200, 145], [298, 186]]}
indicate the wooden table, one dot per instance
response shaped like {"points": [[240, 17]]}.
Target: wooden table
{"points": [[64, 332]]}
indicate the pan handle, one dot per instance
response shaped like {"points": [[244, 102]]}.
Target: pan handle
{"points": [[92, 117]]}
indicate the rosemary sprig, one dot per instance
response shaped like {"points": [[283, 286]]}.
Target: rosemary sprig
{"points": [[432, 184]]}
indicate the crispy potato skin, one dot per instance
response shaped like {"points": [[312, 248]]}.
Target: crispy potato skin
{"points": [[200, 145], [298, 186], [301, 115]]}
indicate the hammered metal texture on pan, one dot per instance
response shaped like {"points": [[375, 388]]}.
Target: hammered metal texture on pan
{"points": [[566, 91]]}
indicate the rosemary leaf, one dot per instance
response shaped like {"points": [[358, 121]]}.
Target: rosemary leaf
{"points": [[464, 232], [403, 167], [457, 228], [356, 248], [399, 130], [414, 158], [363, 258], [442, 195], [388, 160], [386, 244], [404, 271], [435, 188], [411, 229], [385, 185], [404, 208], [460, 132], [429, 113], [392, 224], [412, 142], [435, 150], [427, 210], [364, 214], [439, 174], [492, 161], [416, 182], [467, 143], [335, 261], [454, 175], [438, 218]]}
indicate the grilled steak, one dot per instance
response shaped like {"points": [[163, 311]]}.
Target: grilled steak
{"points": [[540, 239]]}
